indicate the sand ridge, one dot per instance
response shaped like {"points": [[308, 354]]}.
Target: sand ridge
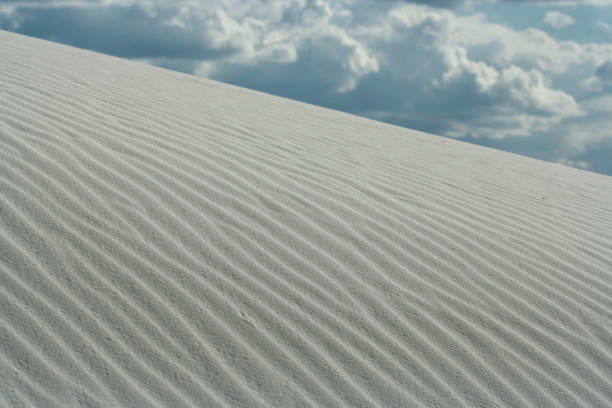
{"points": [[171, 241]]}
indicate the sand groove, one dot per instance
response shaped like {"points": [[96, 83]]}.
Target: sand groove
{"points": [[170, 241]]}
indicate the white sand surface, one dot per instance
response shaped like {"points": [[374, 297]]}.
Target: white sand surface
{"points": [[171, 241]]}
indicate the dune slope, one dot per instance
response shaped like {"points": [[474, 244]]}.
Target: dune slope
{"points": [[170, 241]]}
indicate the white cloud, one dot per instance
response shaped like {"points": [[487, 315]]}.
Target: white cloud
{"points": [[558, 20], [489, 71], [581, 164], [603, 26]]}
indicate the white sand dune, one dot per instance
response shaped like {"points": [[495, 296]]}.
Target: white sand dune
{"points": [[170, 241]]}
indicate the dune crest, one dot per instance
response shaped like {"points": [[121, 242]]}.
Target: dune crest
{"points": [[171, 241]]}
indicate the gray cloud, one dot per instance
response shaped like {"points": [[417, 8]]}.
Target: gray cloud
{"points": [[125, 31], [604, 72]]}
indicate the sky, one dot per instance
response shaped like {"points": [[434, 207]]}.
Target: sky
{"points": [[533, 77]]}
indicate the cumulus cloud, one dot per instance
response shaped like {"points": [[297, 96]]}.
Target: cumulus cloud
{"points": [[485, 72], [429, 68], [558, 20]]}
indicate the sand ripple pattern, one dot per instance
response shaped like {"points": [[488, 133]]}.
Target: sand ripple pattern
{"points": [[170, 241]]}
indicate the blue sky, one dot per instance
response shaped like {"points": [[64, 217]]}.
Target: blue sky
{"points": [[531, 77]]}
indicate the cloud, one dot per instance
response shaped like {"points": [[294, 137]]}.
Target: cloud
{"points": [[127, 31], [446, 3], [429, 68], [558, 20], [472, 3], [603, 26], [604, 72], [573, 3], [485, 72]]}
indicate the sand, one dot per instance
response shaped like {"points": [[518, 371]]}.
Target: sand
{"points": [[171, 241]]}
